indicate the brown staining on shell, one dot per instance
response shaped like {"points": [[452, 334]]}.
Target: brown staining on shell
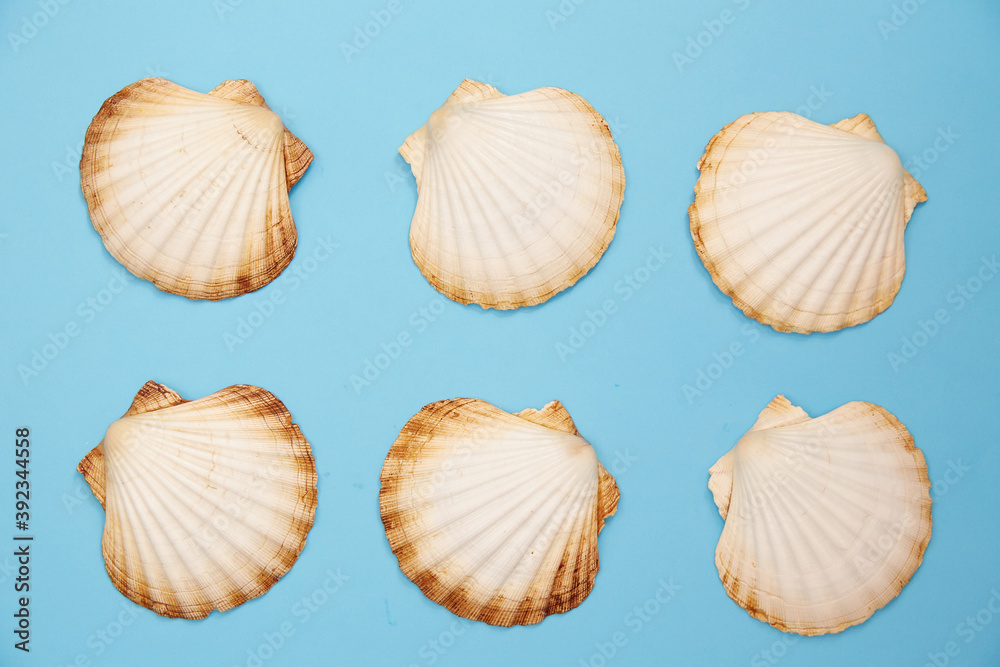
{"points": [[237, 455], [189, 241], [556, 568], [792, 487], [761, 201]]}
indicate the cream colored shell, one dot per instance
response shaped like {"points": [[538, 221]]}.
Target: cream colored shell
{"points": [[190, 191], [495, 515], [518, 196], [801, 224], [826, 518], [208, 502]]}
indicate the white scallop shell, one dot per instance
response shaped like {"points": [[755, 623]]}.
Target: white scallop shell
{"points": [[826, 519], [801, 224], [190, 191], [208, 502], [496, 515], [518, 196]]}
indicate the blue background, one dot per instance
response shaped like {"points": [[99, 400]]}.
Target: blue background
{"points": [[937, 71]]}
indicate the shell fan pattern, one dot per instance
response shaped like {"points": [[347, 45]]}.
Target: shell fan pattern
{"points": [[189, 190], [495, 515], [207, 502]]}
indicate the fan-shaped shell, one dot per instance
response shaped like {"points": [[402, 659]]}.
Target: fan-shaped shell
{"points": [[518, 196], [801, 224], [190, 191], [208, 502], [826, 519], [495, 515]]}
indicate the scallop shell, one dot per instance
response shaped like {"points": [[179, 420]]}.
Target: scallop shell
{"points": [[495, 515], [518, 196], [190, 191], [801, 224], [208, 502], [826, 519]]}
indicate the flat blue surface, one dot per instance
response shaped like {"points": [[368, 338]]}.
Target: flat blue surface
{"points": [[922, 70]]}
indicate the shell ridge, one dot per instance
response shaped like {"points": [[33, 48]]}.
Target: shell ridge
{"points": [[505, 255], [516, 228], [780, 286], [153, 396], [168, 224], [501, 500], [134, 195], [510, 535], [440, 173], [164, 498], [228, 224], [552, 415], [462, 167], [141, 587], [471, 90], [267, 204], [888, 236], [148, 518], [555, 115], [560, 596], [520, 545], [608, 495], [185, 463], [847, 244], [805, 258], [525, 601], [767, 558], [498, 465], [791, 215]]}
